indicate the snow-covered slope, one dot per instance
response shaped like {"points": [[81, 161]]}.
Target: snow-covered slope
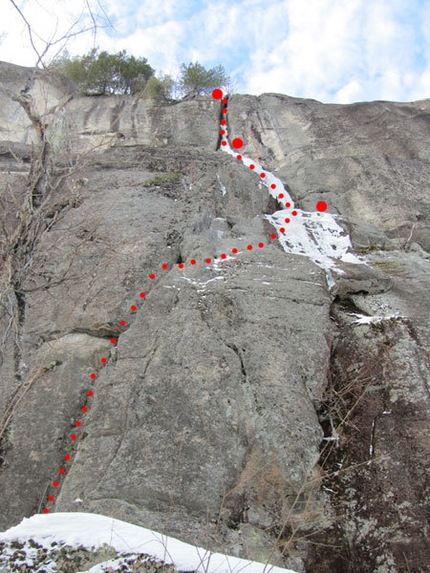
{"points": [[93, 531]]}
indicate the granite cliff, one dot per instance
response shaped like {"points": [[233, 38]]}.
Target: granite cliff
{"points": [[157, 369]]}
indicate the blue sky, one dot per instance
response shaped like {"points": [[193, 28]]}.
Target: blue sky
{"points": [[337, 51]]}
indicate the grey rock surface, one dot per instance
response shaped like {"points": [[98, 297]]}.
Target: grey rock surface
{"points": [[246, 404]]}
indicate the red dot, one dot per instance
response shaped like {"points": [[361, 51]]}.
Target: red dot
{"points": [[238, 157], [225, 110], [84, 409], [262, 175], [193, 261], [287, 205], [252, 166], [51, 498], [67, 457], [55, 483], [223, 122], [90, 393], [224, 101], [321, 206], [103, 360], [222, 131], [282, 230], [122, 323], [261, 245], [234, 251], [181, 265], [164, 266], [273, 186], [223, 256], [45, 510], [294, 213], [152, 276], [73, 437], [273, 236], [113, 340], [249, 247], [142, 295], [133, 308], [208, 261], [287, 220], [237, 143], [77, 423], [223, 143], [281, 195], [62, 470], [93, 376], [217, 93]]}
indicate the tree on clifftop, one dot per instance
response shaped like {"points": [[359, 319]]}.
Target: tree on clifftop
{"points": [[196, 80], [101, 73]]}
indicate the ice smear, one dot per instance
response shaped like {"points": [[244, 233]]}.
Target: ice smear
{"points": [[363, 319], [92, 530]]}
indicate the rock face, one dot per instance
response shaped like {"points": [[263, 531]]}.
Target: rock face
{"points": [[245, 404]]}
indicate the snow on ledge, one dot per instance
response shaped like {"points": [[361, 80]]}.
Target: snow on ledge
{"points": [[92, 530]]}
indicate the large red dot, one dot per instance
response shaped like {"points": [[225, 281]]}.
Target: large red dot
{"points": [[217, 93], [237, 143], [321, 206]]}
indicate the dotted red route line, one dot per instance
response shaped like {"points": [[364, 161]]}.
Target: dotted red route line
{"points": [[123, 323], [237, 143]]}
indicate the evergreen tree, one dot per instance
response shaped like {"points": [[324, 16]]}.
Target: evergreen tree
{"points": [[196, 80]]}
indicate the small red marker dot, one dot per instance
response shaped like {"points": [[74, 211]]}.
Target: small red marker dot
{"points": [[103, 360], [67, 457], [217, 93], [294, 213], [321, 206], [238, 157], [55, 483], [281, 195], [223, 143], [193, 262], [249, 247], [133, 308], [77, 423], [223, 122], [225, 110], [224, 101], [273, 236], [84, 409], [237, 143], [262, 175], [73, 437], [142, 295], [51, 498], [260, 245], [287, 205], [90, 393], [164, 266], [234, 251], [93, 376], [223, 256], [287, 220], [62, 470], [122, 323], [252, 166], [152, 276], [282, 230], [222, 131], [273, 186], [45, 510], [181, 265], [208, 261], [113, 340]]}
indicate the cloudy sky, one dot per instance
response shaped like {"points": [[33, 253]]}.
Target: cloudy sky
{"points": [[338, 51]]}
